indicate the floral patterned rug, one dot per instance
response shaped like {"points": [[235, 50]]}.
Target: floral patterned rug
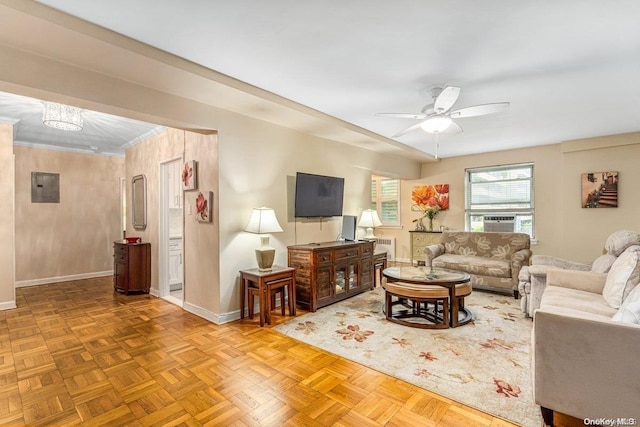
{"points": [[484, 364]]}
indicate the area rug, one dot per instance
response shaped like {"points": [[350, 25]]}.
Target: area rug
{"points": [[484, 364]]}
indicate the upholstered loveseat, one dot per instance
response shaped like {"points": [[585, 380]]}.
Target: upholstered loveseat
{"points": [[533, 278], [492, 259], [586, 341]]}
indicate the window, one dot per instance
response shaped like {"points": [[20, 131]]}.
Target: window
{"points": [[500, 199], [385, 198]]}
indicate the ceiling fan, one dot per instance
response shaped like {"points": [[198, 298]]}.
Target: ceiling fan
{"points": [[437, 118]]}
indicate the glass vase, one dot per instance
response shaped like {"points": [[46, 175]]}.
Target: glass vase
{"points": [[430, 224]]}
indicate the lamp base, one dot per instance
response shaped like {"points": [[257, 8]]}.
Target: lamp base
{"points": [[265, 257]]}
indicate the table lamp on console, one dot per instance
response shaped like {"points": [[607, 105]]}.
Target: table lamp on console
{"points": [[369, 219], [263, 221]]}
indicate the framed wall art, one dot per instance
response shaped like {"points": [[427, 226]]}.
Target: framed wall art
{"points": [[204, 203], [600, 189], [189, 175]]}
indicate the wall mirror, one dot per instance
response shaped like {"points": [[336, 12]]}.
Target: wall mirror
{"points": [[139, 201]]}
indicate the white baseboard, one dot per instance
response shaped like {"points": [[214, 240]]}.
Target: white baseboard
{"points": [[154, 292], [47, 280], [7, 305], [202, 312]]}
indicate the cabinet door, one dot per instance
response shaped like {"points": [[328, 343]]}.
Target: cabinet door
{"points": [[346, 278], [175, 267], [120, 279], [324, 285]]}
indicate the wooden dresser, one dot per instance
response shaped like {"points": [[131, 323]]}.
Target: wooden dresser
{"points": [[331, 271], [419, 241], [131, 267]]}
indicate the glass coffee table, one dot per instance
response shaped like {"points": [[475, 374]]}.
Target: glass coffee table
{"points": [[414, 288]]}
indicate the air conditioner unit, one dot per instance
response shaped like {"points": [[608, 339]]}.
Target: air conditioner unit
{"points": [[500, 224]]}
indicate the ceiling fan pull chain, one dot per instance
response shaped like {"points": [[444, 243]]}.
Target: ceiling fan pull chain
{"points": [[437, 145]]}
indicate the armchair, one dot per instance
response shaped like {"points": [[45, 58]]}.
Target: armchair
{"points": [[533, 278]]}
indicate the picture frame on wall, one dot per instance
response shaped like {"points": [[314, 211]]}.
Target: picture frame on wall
{"points": [[189, 175], [204, 203], [600, 189]]}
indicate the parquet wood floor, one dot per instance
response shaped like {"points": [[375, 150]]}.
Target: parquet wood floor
{"points": [[76, 353]]}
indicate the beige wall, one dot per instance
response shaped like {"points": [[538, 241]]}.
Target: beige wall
{"points": [[74, 237], [258, 164], [562, 227], [202, 239], [144, 159], [7, 179], [585, 230]]}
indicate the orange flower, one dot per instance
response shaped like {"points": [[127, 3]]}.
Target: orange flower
{"points": [[443, 202], [442, 188], [421, 195]]}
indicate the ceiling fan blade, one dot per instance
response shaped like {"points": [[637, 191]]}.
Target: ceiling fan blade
{"points": [[403, 115], [407, 130], [480, 110], [446, 99]]}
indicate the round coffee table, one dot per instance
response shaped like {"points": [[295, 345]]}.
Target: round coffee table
{"points": [[413, 285]]}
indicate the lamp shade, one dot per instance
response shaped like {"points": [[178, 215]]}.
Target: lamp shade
{"points": [[436, 124], [369, 218], [63, 117], [263, 220]]}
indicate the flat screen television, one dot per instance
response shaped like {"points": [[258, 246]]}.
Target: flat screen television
{"points": [[318, 195]]}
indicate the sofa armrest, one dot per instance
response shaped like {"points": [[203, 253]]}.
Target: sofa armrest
{"points": [[518, 260], [585, 367], [552, 261], [436, 250], [581, 280]]}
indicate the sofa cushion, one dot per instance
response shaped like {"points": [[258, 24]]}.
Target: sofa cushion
{"points": [[474, 264], [576, 300], [629, 311], [623, 276], [603, 263], [620, 240]]}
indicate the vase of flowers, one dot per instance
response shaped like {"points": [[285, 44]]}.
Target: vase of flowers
{"points": [[429, 200]]}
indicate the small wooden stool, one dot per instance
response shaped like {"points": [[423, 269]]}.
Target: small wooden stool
{"points": [[255, 292], [418, 295]]}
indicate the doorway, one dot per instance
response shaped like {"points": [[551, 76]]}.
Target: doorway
{"points": [[171, 232]]}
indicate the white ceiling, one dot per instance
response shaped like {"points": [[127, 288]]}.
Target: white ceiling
{"points": [[570, 68]]}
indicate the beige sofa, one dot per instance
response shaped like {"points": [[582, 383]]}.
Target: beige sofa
{"points": [[492, 259], [584, 354], [533, 278]]}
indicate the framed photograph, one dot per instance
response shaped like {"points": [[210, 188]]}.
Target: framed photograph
{"points": [[204, 203], [189, 175], [600, 190]]}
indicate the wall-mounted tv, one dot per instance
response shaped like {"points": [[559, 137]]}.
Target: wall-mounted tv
{"points": [[318, 195]]}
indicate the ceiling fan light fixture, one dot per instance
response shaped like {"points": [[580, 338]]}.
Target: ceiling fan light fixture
{"points": [[436, 124], [63, 117]]}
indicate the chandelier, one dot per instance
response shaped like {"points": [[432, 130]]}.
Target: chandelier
{"points": [[63, 117]]}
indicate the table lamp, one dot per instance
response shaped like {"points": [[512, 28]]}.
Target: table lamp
{"points": [[262, 221], [369, 219]]}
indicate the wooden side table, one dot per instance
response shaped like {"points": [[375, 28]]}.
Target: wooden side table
{"points": [[266, 282], [379, 264]]}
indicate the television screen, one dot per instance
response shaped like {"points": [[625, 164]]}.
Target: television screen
{"points": [[318, 195]]}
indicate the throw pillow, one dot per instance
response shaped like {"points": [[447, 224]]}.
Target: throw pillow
{"points": [[623, 277], [620, 240], [629, 311], [603, 263]]}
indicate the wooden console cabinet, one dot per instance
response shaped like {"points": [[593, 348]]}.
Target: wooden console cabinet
{"points": [[330, 272], [131, 267]]}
